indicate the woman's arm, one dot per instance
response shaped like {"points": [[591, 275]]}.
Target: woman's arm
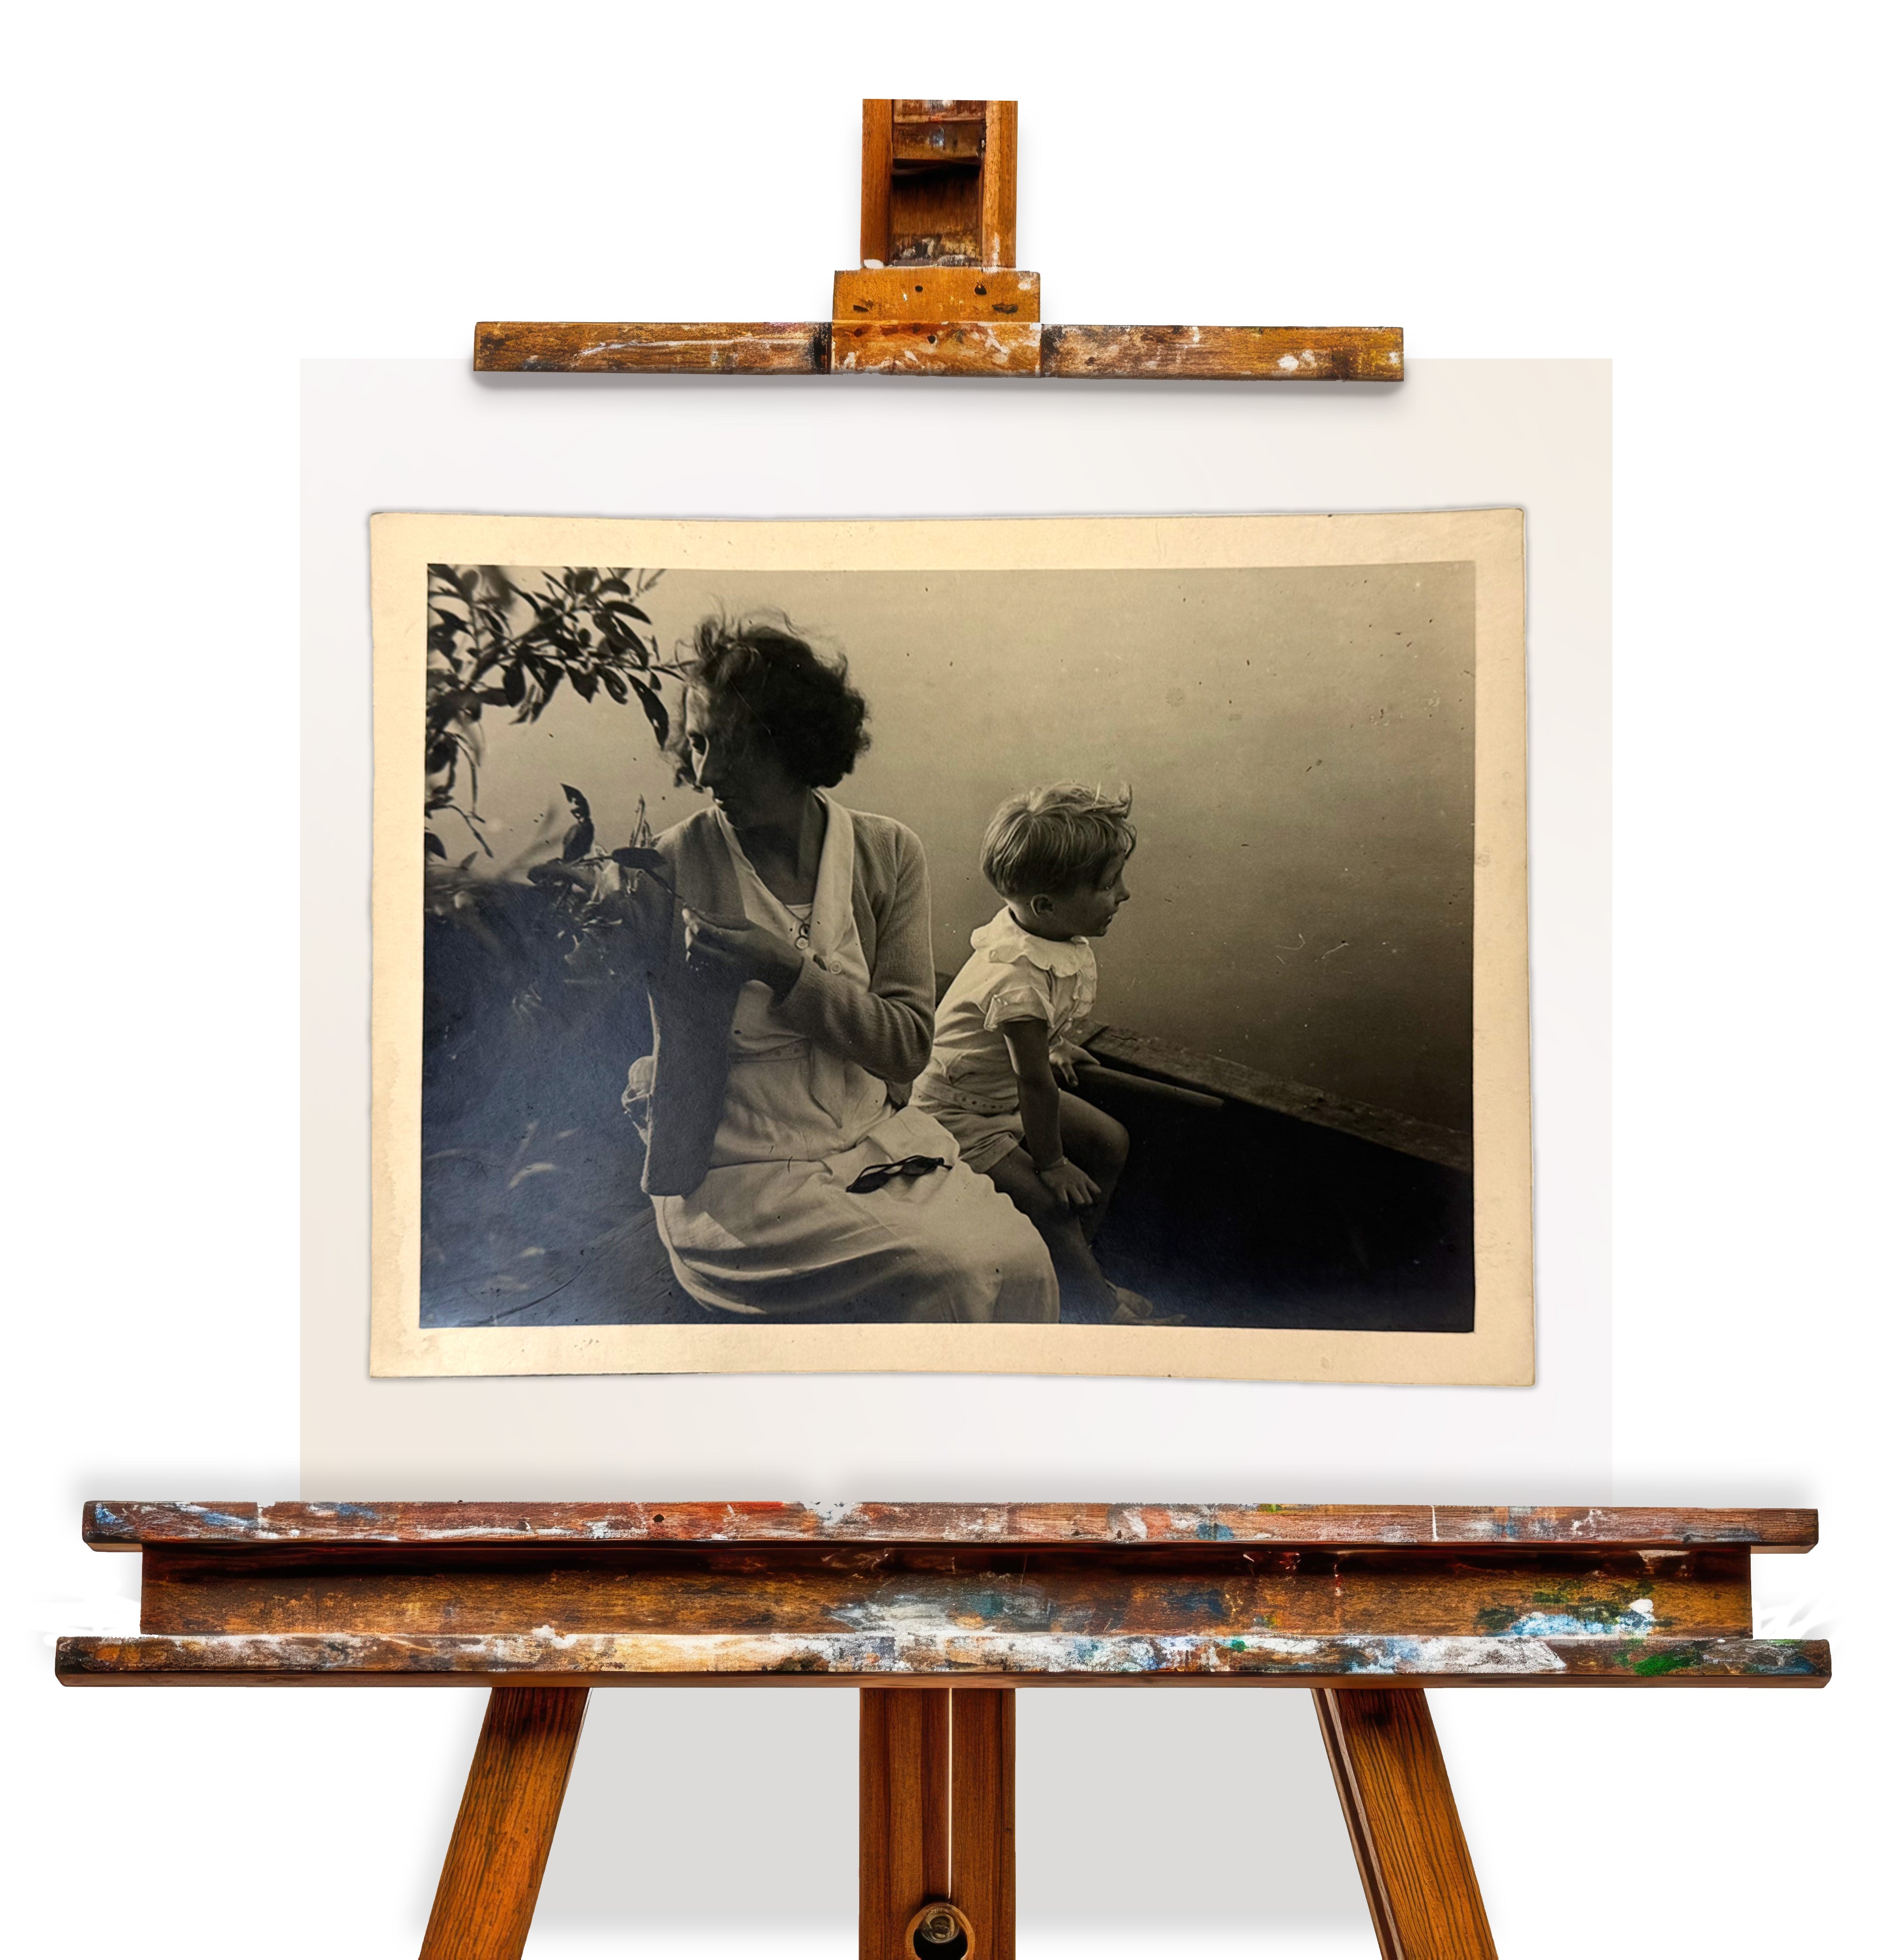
{"points": [[885, 1026]]}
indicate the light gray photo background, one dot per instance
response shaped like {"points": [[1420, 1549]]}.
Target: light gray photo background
{"points": [[696, 1816], [1299, 742]]}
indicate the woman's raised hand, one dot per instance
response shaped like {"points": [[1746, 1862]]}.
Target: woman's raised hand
{"points": [[737, 949]]}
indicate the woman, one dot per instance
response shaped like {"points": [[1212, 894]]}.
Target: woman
{"points": [[791, 991]]}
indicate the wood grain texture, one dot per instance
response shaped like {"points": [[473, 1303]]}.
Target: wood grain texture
{"points": [[998, 214], [928, 109], [941, 139], [1003, 1657], [1223, 353], [984, 1817], [117, 1525], [651, 347], [510, 1806], [875, 181], [942, 347], [936, 213], [905, 1813], [935, 293], [1169, 1061], [1412, 1855], [1208, 1589]]}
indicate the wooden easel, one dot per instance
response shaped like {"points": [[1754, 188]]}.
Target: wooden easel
{"points": [[938, 1613], [938, 292]]}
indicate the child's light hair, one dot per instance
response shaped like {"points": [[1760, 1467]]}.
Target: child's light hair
{"points": [[1054, 839]]}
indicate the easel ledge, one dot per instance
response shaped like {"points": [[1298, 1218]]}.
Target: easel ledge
{"points": [[1026, 1595], [941, 348], [937, 1613]]}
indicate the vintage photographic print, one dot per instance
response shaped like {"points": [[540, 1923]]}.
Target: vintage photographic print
{"points": [[1091, 946]]}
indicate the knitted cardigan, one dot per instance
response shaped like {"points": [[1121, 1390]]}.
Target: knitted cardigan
{"points": [[885, 1028]]}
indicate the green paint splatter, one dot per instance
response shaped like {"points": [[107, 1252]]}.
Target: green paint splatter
{"points": [[1667, 1663]]}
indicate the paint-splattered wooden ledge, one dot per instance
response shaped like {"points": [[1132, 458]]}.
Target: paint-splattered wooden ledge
{"points": [[937, 1656], [948, 347], [134, 1525], [937, 1613], [1016, 1594]]}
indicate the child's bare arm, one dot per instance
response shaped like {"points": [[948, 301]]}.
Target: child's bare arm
{"points": [[1039, 1105]]}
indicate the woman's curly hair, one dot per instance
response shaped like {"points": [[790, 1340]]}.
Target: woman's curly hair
{"points": [[758, 674]]}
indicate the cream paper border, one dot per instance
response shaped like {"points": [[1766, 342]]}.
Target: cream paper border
{"points": [[1499, 1350]]}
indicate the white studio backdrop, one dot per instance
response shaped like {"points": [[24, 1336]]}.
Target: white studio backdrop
{"points": [[212, 194]]}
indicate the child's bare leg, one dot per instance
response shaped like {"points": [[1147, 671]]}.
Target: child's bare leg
{"points": [[1079, 1278], [1099, 1146]]}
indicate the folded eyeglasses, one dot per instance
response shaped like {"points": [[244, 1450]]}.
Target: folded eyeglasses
{"points": [[874, 1176]]}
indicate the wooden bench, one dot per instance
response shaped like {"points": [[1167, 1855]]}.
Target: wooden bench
{"points": [[938, 1613]]}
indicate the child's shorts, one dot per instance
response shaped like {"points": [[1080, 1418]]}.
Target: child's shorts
{"points": [[985, 1133]]}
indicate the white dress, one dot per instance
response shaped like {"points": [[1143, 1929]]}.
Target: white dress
{"points": [[772, 1228]]}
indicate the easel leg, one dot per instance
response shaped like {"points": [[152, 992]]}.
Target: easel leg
{"points": [[905, 1811], [493, 1870], [984, 1817], [1406, 1832]]}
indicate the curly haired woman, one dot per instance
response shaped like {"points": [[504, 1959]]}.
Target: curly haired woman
{"points": [[792, 1000]]}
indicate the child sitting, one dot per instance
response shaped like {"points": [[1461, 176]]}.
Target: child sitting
{"points": [[1056, 856]]}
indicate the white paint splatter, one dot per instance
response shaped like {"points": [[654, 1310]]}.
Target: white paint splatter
{"points": [[1636, 1621]]}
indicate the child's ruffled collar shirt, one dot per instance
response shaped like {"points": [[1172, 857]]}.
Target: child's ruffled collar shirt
{"points": [[1003, 940], [1012, 975]]}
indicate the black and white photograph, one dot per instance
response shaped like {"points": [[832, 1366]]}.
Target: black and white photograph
{"points": [[1084, 952]]}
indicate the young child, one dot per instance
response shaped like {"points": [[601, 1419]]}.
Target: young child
{"points": [[1056, 856]]}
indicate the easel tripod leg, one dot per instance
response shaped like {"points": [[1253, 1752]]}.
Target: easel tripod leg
{"points": [[1408, 1844], [492, 1872], [984, 1817], [937, 1815], [905, 1811]]}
